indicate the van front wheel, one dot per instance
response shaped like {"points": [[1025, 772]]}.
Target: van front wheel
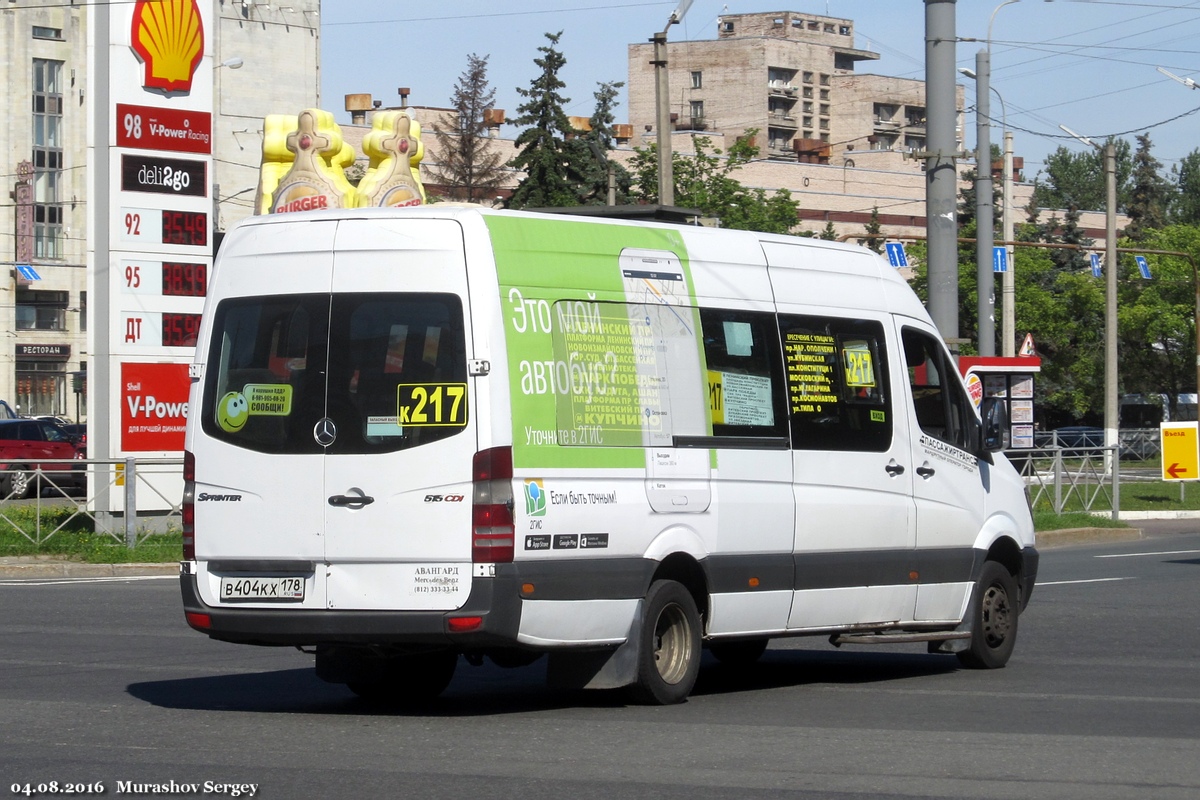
{"points": [[994, 606], [669, 647]]}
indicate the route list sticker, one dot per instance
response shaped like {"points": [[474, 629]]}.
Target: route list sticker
{"points": [[811, 361]]}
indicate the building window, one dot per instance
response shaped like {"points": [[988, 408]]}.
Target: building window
{"points": [[697, 80], [798, 23], [824, 125], [824, 79], [42, 387], [844, 30], [727, 27], [808, 77], [40, 32], [41, 311], [824, 94], [825, 109], [777, 22], [808, 92], [47, 158], [83, 311]]}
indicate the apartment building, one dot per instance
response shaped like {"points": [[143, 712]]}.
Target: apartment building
{"points": [[794, 77], [271, 58]]}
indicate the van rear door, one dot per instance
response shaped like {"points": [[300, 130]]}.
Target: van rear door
{"points": [[338, 430], [398, 468]]}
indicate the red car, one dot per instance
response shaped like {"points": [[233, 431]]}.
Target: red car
{"points": [[25, 444]]}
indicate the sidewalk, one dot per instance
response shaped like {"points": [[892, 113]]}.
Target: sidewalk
{"points": [[1150, 524]]}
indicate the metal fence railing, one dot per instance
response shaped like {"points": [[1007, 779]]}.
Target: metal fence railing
{"points": [[1071, 478], [38, 501]]}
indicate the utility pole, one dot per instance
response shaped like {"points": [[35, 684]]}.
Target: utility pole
{"points": [[1008, 279], [941, 177], [662, 107], [985, 237]]}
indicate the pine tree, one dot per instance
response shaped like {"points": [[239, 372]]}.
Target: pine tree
{"points": [[1150, 194], [543, 152], [593, 158], [829, 234], [874, 239], [470, 168], [1186, 208]]}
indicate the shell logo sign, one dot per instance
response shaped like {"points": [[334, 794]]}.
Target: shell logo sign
{"points": [[168, 37]]}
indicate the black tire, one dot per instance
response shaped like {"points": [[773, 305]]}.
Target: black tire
{"points": [[19, 482], [738, 653], [409, 680], [669, 646], [993, 615]]}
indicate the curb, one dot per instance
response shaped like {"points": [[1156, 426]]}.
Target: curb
{"points": [[17, 568], [1047, 540]]}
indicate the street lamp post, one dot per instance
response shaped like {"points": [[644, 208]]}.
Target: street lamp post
{"points": [[985, 214], [662, 107], [1111, 402], [1008, 344]]}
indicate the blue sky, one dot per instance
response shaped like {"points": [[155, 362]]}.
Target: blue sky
{"points": [[1087, 64]]}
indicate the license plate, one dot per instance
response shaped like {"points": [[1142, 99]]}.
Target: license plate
{"points": [[286, 590]]}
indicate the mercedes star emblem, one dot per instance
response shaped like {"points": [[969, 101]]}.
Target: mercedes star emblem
{"points": [[325, 432]]}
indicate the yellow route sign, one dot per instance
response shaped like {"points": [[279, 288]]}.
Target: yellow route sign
{"points": [[1180, 451]]}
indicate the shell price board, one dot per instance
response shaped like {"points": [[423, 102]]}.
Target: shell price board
{"points": [[1180, 451]]}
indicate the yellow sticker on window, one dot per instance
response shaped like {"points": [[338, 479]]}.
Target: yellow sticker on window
{"points": [[860, 371], [268, 399], [431, 405]]}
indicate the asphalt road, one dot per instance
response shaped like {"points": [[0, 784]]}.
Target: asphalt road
{"points": [[102, 681]]}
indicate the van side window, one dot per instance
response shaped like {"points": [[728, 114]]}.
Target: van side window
{"points": [[837, 383], [939, 400], [745, 373]]}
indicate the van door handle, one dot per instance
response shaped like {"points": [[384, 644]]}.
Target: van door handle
{"points": [[926, 471], [351, 500], [894, 469]]}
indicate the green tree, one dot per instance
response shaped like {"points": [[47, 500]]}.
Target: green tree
{"points": [[705, 181], [829, 233], [551, 176], [874, 237], [1077, 178], [597, 143], [1156, 317], [470, 167], [1186, 208], [1149, 193]]}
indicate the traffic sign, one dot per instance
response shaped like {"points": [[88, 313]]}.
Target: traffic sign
{"points": [[1096, 270], [896, 255], [28, 272], [999, 259], [1143, 266], [1180, 451]]}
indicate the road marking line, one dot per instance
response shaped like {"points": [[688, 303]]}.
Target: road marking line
{"points": [[1089, 580], [62, 581], [1160, 553]]}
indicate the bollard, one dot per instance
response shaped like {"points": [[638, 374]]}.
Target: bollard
{"points": [[130, 503]]}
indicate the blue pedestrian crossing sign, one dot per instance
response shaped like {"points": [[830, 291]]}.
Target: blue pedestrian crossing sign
{"points": [[1097, 271], [999, 259], [28, 272], [896, 255], [1143, 266]]}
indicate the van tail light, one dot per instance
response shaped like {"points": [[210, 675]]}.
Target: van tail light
{"points": [[492, 532], [189, 506]]}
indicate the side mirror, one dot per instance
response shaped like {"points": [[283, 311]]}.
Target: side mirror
{"points": [[994, 430]]}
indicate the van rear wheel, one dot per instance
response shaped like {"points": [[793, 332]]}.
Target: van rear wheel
{"points": [[669, 646], [994, 607], [408, 680]]}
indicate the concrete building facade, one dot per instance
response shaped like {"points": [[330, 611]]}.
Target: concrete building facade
{"points": [[44, 81]]}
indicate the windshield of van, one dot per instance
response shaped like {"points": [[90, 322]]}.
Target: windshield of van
{"points": [[380, 371]]}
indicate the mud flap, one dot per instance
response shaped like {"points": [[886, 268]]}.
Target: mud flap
{"points": [[598, 669]]}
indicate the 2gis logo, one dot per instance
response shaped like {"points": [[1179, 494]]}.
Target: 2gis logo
{"points": [[535, 497]]}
